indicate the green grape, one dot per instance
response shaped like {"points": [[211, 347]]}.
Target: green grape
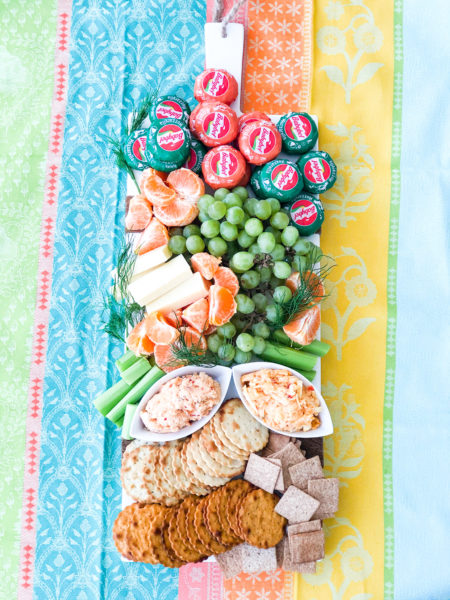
{"points": [[243, 260], [299, 262], [260, 300], [263, 209], [242, 357], [191, 230], [249, 206], [271, 313], [282, 293], [220, 194], [235, 215], [274, 204], [250, 279], [241, 192], [278, 252], [253, 227], [204, 202], [233, 200], [228, 330], [217, 246], [315, 253], [245, 305], [302, 246], [210, 229], [279, 220], [289, 235], [176, 231], [275, 282], [214, 342], [266, 241], [217, 210], [239, 322], [228, 231], [177, 244], [281, 269], [226, 352], [244, 342], [265, 273], [259, 345], [261, 329], [195, 244], [203, 216], [245, 240], [255, 249]]}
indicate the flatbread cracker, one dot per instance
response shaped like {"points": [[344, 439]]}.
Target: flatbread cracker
{"points": [[230, 562], [262, 473], [279, 484], [257, 560], [307, 547], [259, 524], [302, 472], [284, 560], [240, 427], [290, 455], [136, 473], [219, 464], [326, 491], [198, 468], [304, 527], [224, 444], [296, 506]]}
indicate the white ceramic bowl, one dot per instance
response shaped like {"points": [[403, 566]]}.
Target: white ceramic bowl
{"points": [[326, 424], [138, 430]]}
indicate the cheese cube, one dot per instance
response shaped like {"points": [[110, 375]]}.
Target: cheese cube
{"points": [[149, 260], [160, 280], [187, 292]]}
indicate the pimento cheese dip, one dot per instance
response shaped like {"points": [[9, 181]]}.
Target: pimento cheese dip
{"points": [[180, 402], [281, 400]]}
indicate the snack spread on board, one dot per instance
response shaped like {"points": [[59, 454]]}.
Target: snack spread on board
{"points": [[220, 278]]}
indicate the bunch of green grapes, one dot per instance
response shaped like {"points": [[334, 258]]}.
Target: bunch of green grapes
{"points": [[254, 238]]}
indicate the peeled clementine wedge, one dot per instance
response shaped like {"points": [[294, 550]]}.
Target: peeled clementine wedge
{"points": [[174, 317], [177, 213], [159, 330], [187, 184], [222, 305], [227, 279], [164, 357], [154, 236], [193, 337], [206, 264], [138, 340], [139, 213], [293, 281], [155, 190], [303, 329], [196, 315]]}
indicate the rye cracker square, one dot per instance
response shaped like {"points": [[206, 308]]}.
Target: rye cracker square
{"points": [[262, 472], [277, 441], [256, 560], [284, 560], [296, 506], [279, 485], [290, 455], [302, 472], [307, 547], [304, 527], [230, 562], [326, 491]]}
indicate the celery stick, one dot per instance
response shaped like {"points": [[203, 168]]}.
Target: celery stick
{"points": [[316, 347], [296, 359], [136, 371], [125, 361], [308, 374], [135, 393], [129, 414], [106, 401]]}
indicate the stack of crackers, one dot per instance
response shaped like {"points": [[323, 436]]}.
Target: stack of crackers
{"points": [[196, 465], [199, 527], [307, 499]]}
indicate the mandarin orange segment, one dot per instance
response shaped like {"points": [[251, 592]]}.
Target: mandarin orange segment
{"points": [[139, 213], [155, 190], [164, 358], [227, 279], [176, 214], [174, 317], [205, 264], [196, 315], [151, 173], [303, 329], [293, 281], [154, 236], [194, 338], [222, 305], [159, 330], [187, 184], [138, 341]]}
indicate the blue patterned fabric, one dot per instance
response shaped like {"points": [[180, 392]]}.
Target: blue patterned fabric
{"points": [[120, 50]]}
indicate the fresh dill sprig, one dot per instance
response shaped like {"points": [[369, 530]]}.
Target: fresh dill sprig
{"points": [[309, 293], [189, 352], [121, 160], [141, 111]]}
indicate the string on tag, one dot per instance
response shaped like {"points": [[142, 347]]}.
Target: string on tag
{"points": [[218, 9]]}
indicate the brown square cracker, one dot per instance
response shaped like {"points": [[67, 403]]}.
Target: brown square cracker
{"points": [[279, 484], [277, 441], [256, 560], [284, 560], [306, 547], [230, 562], [290, 455], [326, 491], [262, 473], [302, 472], [304, 527], [296, 506]]}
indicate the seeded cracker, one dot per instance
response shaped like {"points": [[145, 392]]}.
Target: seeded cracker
{"points": [[307, 547], [296, 506], [262, 473], [302, 472], [326, 491]]}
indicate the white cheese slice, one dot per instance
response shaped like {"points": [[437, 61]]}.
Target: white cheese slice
{"points": [[149, 260], [160, 280], [187, 292]]}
